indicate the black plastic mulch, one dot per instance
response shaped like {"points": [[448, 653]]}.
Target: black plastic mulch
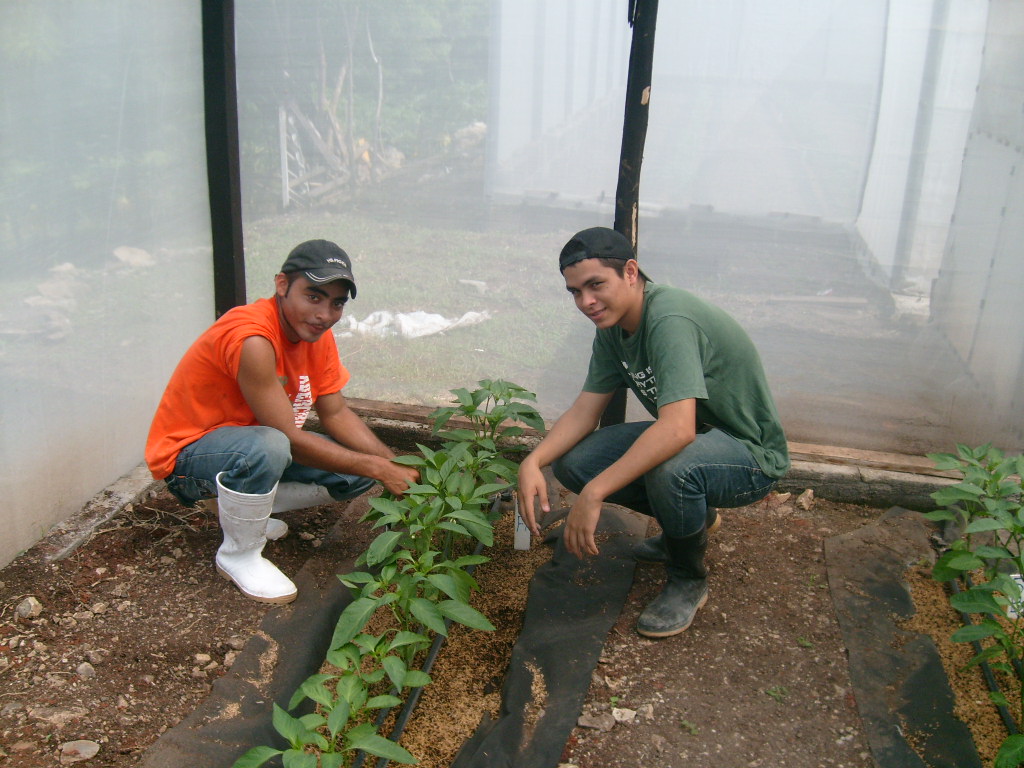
{"points": [[902, 691], [571, 607]]}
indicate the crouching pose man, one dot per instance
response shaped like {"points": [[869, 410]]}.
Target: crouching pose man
{"points": [[230, 422], [715, 442]]}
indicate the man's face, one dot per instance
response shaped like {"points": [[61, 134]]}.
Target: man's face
{"points": [[307, 310], [603, 295]]}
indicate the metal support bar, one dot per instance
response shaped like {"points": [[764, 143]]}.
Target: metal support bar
{"points": [[222, 156], [643, 16]]}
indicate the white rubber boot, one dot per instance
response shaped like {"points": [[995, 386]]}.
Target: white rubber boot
{"points": [[292, 496], [243, 519], [276, 529]]}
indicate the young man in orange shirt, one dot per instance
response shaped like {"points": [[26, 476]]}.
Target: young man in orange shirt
{"points": [[230, 422]]}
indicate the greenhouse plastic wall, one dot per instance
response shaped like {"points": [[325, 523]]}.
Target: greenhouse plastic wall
{"points": [[105, 242], [842, 177]]}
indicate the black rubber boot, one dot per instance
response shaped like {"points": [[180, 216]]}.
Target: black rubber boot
{"points": [[652, 550], [685, 590]]}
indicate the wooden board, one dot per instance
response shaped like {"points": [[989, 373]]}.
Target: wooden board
{"points": [[826, 454]]}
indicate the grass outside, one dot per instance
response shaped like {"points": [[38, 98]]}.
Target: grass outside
{"points": [[403, 267]]}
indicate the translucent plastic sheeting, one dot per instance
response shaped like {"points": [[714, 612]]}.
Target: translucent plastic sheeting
{"points": [[842, 178], [104, 240]]}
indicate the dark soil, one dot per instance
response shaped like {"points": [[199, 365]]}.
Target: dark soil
{"points": [[135, 625]]}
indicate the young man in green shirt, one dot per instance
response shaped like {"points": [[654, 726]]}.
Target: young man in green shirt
{"points": [[716, 440]]}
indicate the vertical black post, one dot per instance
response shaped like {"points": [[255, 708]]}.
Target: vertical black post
{"points": [[222, 161], [643, 16]]}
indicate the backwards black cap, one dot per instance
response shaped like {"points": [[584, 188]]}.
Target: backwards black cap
{"points": [[596, 243]]}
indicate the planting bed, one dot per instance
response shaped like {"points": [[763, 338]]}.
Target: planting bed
{"points": [[134, 627]]}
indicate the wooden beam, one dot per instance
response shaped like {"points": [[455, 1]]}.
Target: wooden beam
{"points": [[894, 462], [824, 454], [414, 414]]}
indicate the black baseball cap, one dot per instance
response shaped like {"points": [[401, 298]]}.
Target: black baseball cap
{"points": [[596, 243], [320, 262]]}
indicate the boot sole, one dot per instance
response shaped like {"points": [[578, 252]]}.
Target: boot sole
{"points": [[671, 632], [259, 599]]}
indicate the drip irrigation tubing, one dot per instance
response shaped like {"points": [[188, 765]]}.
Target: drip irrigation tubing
{"points": [[428, 663], [990, 679]]}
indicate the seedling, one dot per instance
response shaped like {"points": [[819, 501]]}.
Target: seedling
{"points": [[490, 409], [803, 642], [689, 727], [777, 692]]}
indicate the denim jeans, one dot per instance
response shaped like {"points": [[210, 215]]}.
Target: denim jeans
{"points": [[254, 460], [715, 470]]}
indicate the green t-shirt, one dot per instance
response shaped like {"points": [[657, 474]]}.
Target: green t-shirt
{"points": [[686, 347]]}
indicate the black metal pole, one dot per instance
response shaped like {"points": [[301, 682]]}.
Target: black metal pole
{"points": [[643, 16], [222, 158]]}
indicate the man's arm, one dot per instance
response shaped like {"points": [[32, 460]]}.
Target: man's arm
{"points": [[675, 428], [341, 422], [572, 426], [257, 378]]}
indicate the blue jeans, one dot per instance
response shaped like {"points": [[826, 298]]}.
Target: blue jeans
{"points": [[715, 470], [254, 460]]}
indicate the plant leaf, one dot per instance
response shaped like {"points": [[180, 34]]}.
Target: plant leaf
{"points": [[338, 719], [404, 638], [939, 515], [448, 585], [981, 524], [427, 612], [378, 745], [313, 688], [380, 702], [332, 759], [296, 758], [1011, 752], [992, 552], [256, 757], [985, 655], [408, 460], [415, 678], [960, 492], [382, 547], [447, 525], [963, 561], [289, 727], [975, 601], [944, 460], [465, 614], [465, 560], [971, 633], [395, 668], [352, 620]]}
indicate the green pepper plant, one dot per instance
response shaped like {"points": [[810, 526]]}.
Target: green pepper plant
{"points": [[987, 500], [415, 574]]}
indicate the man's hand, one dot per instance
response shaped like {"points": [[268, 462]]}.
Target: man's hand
{"points": [[397, 478], [532, 484], [581, 524]]}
